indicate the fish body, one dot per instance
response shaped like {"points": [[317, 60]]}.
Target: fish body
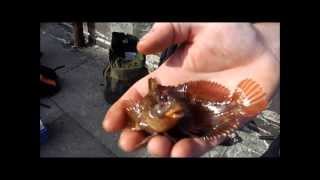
{"points": [[201, 109]]}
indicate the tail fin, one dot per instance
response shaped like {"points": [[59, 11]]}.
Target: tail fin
{"points": [[251, 98]]}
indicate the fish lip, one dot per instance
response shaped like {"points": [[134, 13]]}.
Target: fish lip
{"points": [[178, 114]]}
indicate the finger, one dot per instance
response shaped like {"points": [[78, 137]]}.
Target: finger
{"points": [[162, 35], [191, 147], [116, 118], [129, 139], [159, 146]]}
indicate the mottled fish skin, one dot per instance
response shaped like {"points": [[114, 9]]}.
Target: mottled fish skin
{"points": [[196, 109], [221, 111]]}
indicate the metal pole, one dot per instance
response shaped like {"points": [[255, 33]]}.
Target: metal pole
{"points": [[78, 34]]}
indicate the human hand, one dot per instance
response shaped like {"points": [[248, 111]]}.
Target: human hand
{"points": [[222, 52]]}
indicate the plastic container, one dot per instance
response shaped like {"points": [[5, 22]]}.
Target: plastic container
{"points": [[43, 133]]}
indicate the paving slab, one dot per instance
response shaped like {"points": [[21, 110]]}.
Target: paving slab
{"points": [[68, 139]]}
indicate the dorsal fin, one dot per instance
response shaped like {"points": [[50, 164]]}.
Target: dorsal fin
{"points": [[207, 91]]}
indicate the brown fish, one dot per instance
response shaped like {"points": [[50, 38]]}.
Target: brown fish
{"points": [[200, 109]]}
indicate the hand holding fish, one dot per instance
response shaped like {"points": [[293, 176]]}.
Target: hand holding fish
{"points": [[221, 75]]}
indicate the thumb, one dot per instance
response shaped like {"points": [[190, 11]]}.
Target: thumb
{"points": [[163, 35]]}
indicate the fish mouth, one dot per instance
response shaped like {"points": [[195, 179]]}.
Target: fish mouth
{"points": [[175, 112]]}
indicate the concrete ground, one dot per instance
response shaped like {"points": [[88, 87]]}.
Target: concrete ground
{"points": [[75, 115], [74, 119]]}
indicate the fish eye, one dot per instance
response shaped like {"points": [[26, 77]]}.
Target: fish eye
{"points": [[163, 97]]}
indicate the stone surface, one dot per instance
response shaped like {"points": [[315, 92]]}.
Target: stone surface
{"points": [[83, 99], [68, 139], [81, 96], [56, 55], [48, 115], [251, 146]]}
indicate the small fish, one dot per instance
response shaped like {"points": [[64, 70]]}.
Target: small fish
{"points": [[200, 109]]}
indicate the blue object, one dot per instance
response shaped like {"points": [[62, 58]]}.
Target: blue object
{"points": [[43, 133]]}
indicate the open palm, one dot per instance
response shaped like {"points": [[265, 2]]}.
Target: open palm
{"points": [[222, 52]]}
